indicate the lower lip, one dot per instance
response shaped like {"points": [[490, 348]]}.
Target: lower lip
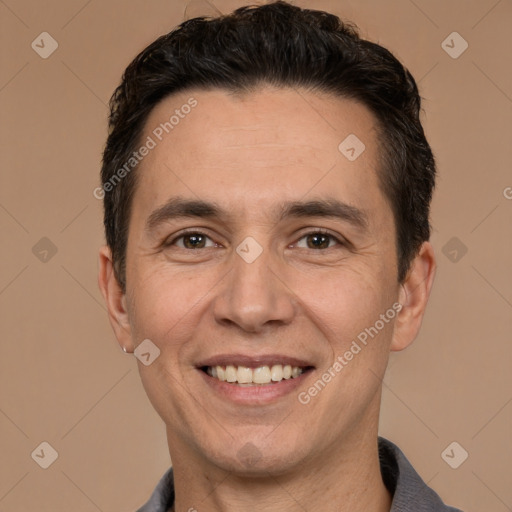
{"points": [[257, 394]]}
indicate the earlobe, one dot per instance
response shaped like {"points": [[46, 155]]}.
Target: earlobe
{"points": [[413, 296], [115, 300]]}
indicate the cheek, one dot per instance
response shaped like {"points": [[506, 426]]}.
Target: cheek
{"points": [[166, 303], [166, 309], [349, 310], [347, 301]]}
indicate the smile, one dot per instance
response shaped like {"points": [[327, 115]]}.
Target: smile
{"points": [[253, 379], [244, 375]]}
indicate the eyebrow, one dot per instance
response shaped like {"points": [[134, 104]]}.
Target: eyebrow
{"points": [[329, 208], [178, 207]]}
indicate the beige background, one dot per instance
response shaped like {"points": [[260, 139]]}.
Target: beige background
{"points": [[63, 378]]}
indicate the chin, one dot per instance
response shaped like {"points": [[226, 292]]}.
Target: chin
{"points": [[250, 457]]}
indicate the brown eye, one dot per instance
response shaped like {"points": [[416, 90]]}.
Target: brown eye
{"points": [[192, 240], [318, 240]]}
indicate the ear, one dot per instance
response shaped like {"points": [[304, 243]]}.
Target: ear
{"points": [[414, 294], [115, 300]]}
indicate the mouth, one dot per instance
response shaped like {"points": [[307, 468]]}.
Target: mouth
{"points": [[258, 376], [253, 380]]}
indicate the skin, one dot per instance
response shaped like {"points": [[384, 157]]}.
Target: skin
{"points": [[249, 154]]}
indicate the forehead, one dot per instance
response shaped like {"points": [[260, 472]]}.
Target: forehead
{"points": [[252, 147], [274, 116]]}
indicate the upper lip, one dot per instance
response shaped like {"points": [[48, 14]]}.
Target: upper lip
{"points": [[253, 361]]}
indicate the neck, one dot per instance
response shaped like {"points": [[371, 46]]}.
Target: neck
{"points": [[345, 478]]}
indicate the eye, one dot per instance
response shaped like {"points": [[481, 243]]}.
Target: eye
{"points": [[192, 240], [319, 239]]}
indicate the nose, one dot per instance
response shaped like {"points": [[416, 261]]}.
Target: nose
{"points": [[254, 295]]}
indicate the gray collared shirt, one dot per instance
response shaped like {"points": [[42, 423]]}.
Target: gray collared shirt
{"points": [[410, 492]]}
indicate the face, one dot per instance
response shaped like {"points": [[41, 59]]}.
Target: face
{"points": [[256, 248]]}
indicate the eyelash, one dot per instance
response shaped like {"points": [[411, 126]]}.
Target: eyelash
{"points": [[317, 231]]}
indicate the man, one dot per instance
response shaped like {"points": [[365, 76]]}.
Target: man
{"points": [[266, 185]]}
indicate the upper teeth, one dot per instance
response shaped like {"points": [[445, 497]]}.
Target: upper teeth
{"points": [[260, 375]]}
